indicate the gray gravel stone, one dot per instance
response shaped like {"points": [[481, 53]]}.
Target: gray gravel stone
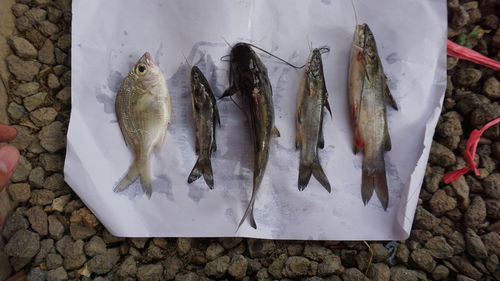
{"points": [[465, 267], [379, 272], [474, 245], [47, 53], [441, 155], [24, 70], [424, 219], [35, 101], [54, 182], [22, 171], [461, 189], [218, 267], [95, 246], [316, 252], [353, 274], [424, 260], [128, 268], [47, 28], [491, 88], [19, 9], [296, 266], [230, 242], [36, 14], [43, 116], [37, 177], [51, 162], [476, 213], [467, 76], [58, 274], [380, 253], [295, 249], [214, 251], [19, 192], [80, 231], [483, 114], [449, 125], [263, 275], [64, 42], [22, 47], [100, 264], [183, 246], [64, 95], [492, 242], [73, 255], [172, 265], [188, 276], [52, 137], [491, 185], [38, 220], [41, 197], [27, 89], [399, 273], [439, 247], [36, 274], [433, 177], [53, 81], [54, 14], [276, 267], [23, 244], [330, 265], [23, 23], [440, 272], [14, 223], [238, 267], [441, 203], [16, 111], [53, 261], [259, 248], [150, 272], [56, 228]]}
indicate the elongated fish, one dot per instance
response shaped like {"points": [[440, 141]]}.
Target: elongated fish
{"points": [[205, 115], [143, 110], [312, 98], [248, 76], [368, 93]]}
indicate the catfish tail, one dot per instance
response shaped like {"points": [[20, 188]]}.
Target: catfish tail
{"points": [[140, 167], [203, 167], [374, 178], [314, 168], [249, 210]]}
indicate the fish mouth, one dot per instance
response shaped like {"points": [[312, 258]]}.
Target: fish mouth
{"points": [[360, 35], [148, 59]]}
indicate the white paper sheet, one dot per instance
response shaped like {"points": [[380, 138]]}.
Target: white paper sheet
{"points": [[109, 36]]}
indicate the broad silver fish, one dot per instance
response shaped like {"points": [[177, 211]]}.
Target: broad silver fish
{"points": [[205, 116], [144, 111], [248, 76], [312, 98], [368, 93]]}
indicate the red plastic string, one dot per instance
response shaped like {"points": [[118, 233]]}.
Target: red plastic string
{"points": [[462, 52], [470, 153]]}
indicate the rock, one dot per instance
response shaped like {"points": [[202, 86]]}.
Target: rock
{"points": [[27, 89], [37, 177], [316, 252], [183, 246], [154, 252], [467, 76], [41, 197], [459, 17], [23, 23], [35, 101], [439, 248], [441, 155], [230, 242], [399, 273], [424, 219], [441, 203], [492, 243], [95, 246], [483, 114], [464, 267], [214, 251], [52, 137], [16, 111], [218, 267], [19, 9], [54, 182], [51, 162], [128, 267], [150, 272], [474, 245], [461, 277], [22, 171], [402, 253], [263, 275], [253, 266], [379, 272], [330, 265], [23, 244], [441, 272], [380, 253], [38, 220], [424, 260], [461, 189], [61, 58], [59, 203], [73, 255], [53, 81], [36, 274], [46, 54], [64, 42], [362, 260], [14, 223], [199, 260], [492, 263], [22, 47], [36, 14], [80, 231], [276, 267], [238, 267], [58, 274], [433, 177], [296, 266], [19, 192], [353, 274], [47, 28], [56, 228], [449, 125], [43, 116], [258, 248], [491, 185], [476, 213], [101, 264], [188, 276], [172, 266], [53, 261], [493, 208], [64, 95], [295, 249], [54, 14], [35, 37], [491, 88], [24, 70]]}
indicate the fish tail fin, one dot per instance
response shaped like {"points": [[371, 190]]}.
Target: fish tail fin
{"points": [[249, 211], [144, 172], [374, 178], [305, 173], [203, 167], [314, 168], [129, 178]]}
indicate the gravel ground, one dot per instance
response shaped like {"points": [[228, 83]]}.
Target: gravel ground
{"points": [[51, 235]]}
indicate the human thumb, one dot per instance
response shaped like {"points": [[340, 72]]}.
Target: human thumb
{"points": [[9, 157]]}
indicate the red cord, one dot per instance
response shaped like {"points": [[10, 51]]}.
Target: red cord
{"points": [[470, 153], [462, 52]]}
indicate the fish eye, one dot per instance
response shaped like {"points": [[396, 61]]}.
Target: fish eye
{"points": [[141, 69]]}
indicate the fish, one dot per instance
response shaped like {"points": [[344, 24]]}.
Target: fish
{"points": [[368, 94], [205, 116], [248, 77], [312, 99], [144, 111]]}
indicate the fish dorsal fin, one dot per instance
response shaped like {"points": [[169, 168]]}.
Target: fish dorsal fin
{"points": [[275, 132], [327, 105]]}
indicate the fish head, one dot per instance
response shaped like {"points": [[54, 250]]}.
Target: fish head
{"points": [[145, 70], [315, 65], [198, 83], [243, 56], [196, 75], [369, 46]]}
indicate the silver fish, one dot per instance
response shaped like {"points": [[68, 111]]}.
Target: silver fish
{"points": [[205, 115], [368, 93], [312, 98], [248, 76], [144, 111]]}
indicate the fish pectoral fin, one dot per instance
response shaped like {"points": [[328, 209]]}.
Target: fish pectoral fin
{"points": [[229, 92], [389, 98], [321, 138], [216, 115], [214, 145], [275, 132], [388, 143]]}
